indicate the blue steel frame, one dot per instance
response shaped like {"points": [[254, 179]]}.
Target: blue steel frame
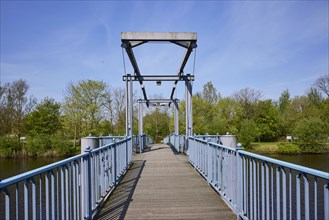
{"points": [[259, 187], [73, 188], [140, 142], [176, 141]]}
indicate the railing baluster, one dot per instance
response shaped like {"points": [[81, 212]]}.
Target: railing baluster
{"points": [[263, 190], [315, 198], [47, 196], [74, 190], [251, 188], [7, 204], [272, 191], [258, 188], [255, 188], [298, 196], [62, 192], [17, 201], [278, 199], [306, 197], [58, 191], [246, 189], [290, 195], [326, 200], [284, 191], [40, 197], [67, 205], [26, 199], [267, 170], [34, 200], [53, 208]]}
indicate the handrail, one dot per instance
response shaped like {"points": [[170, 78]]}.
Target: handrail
{"points": [[37, 171], [296, 167], [72, 188], [176, 141], [259, 187]]}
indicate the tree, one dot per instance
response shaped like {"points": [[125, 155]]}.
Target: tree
{"points": [[202, 115], [323, 84], [209, 93], [248, 132], [284, 100], [248, 99], [157, 123], [84, 107], [14, 106], [227, 113], [314, 95], [267, 120], [45, 119], [312, 134], [119, 111]]}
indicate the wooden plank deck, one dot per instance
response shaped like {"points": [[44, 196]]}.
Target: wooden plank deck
{"points": [[163, 185]]}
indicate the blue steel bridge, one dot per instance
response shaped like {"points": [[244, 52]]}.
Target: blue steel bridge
{"points": [[186, 177]]}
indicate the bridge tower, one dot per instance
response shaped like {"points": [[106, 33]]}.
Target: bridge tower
{"points": [[131, 40]]}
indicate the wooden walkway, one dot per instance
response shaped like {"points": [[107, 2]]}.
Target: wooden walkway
{"points": [[163, 185]]}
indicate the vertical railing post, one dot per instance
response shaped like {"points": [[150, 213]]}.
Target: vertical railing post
{"points": [[86, 196], [239, 180], [176, 117], [127, 153], [129, 106], [188, 114], [115, 162], [326, 200], [208, 170]]}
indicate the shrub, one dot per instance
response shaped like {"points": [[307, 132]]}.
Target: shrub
{"points": [[38, 145], [49, 145], [10, 146], [288, 148], [61, 145], [248, 132], [312, 134]]}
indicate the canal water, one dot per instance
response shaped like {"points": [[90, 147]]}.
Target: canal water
{"points": [[13, 166], [315, 161]]}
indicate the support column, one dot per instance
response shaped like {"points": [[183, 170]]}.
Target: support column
{"points": [[140, 126], [140, 118], [129, 106], [188, 107], [176, 117]]}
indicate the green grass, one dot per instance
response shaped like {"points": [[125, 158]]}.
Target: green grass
{"points": [[269, 147], [264, 147]]}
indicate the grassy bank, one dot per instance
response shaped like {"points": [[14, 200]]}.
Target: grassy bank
{"points": [[278, 148]]}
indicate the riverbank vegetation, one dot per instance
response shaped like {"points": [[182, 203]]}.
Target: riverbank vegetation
{"points": [[48, 127]]}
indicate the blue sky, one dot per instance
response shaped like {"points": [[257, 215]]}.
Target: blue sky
{"points": [[268, 46]]}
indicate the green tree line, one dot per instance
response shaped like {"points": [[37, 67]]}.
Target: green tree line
{"points": [[94, 107], [253, 118], [51, 128]]}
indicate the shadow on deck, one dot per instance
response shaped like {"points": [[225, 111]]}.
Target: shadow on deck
{"points": [[117, 204]]}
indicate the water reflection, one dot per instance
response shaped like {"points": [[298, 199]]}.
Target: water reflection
{"points": [[13, 166]]}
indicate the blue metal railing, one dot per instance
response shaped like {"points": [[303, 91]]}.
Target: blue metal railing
{"points": [[176, 141], [213, 138], [73, 188], [259, 187], [140, 142]]}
